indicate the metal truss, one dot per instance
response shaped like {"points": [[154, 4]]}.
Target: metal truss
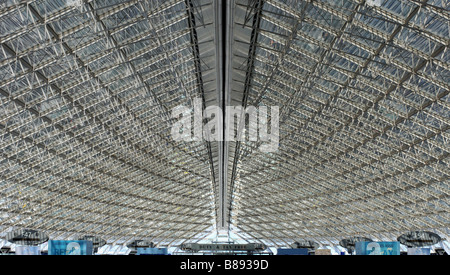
{"points": [[364, 122], [86, 93], [87, 89]]}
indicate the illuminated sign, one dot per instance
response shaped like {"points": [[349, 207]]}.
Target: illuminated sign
{"points": [[78, 247], [377, 248]]}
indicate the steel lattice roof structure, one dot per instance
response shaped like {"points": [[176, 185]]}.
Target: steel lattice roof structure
{"points": [[86, 93]]}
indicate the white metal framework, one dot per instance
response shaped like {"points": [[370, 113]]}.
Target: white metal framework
{"points": [[86, 93], [363, 89], [87, 88]]}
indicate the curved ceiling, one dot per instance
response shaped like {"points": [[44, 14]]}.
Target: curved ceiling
{"points": [[87, 88]]}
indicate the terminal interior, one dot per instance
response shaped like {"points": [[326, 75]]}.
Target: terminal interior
{"points": [[357, 104]]}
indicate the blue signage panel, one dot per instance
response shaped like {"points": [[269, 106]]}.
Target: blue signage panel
{"points": [[69, 247], [151, 251], [377, 248], [295, 251]]}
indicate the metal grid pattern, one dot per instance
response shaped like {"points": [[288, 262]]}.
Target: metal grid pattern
{"points": [[86, 90], [363, 90], [87, 87]]}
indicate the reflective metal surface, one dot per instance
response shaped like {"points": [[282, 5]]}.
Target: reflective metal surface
{"points": [[86, 93]]}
